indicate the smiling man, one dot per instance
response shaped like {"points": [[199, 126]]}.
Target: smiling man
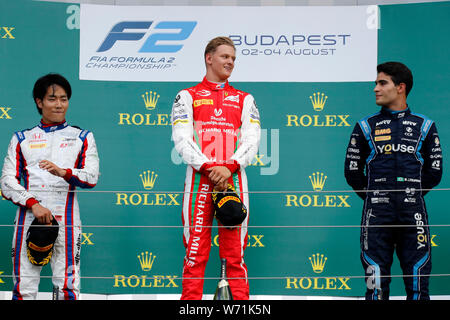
{"points": [[394, 149], [51, 159], [216, 130]]}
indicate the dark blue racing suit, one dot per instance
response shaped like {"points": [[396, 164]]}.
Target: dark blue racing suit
{"points": [[398, 151]]}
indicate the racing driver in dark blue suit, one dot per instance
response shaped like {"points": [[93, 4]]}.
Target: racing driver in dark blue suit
{"points": [[393, 159]]}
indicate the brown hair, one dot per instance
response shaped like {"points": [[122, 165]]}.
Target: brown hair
{"points": [[216, 42]]}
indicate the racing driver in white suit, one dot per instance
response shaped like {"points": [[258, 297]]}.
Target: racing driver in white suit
{"points": [[51, 159]]}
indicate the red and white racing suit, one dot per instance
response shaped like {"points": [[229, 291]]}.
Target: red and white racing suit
{"points": [[214, 124], [74, 150]]}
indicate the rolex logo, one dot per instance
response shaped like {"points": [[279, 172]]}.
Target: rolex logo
{"points": [[146, 119], [318, 262], [318, 100], [150, 99], [318, 283], [318, 181], [148, 179], [146, 260], [317, 200]]}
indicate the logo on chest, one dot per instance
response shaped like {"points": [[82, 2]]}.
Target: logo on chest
{"points": [[67, 142], [203, 102], [37, 141], [392, 148], [382, 131], [217, 112], [232, 98]]}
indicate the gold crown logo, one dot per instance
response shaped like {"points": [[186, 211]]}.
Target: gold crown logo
{"points": [[318, 262], [318, 181], [150, 99], [146, 260], [318, 101], [148, 179]]}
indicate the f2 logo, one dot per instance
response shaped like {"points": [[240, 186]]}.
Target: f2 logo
{"points": [[150, 45]]}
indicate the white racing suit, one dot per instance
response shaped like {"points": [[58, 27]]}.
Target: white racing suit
{"points": [[74, 150]]}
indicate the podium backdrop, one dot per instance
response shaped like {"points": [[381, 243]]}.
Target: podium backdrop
{"points": [[303, 236]]}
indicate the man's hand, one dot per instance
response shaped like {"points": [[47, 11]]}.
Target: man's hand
{"points": [[52, 168], [222, 186], [41, 213], [219, 176]]}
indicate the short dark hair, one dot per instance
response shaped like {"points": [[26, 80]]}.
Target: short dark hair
{"points": [[398, 72], [43, 83]]}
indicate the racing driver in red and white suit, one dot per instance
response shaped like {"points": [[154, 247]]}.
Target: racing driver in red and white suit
{"points": [[216, 130]]}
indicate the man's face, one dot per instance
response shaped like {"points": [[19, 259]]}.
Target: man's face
{"points": [[386, 91], [221, 62], [54, 105]]}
